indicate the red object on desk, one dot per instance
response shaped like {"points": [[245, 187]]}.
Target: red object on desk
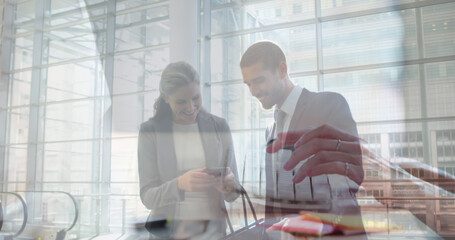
{"points": [[320, 224], [307, 225]]}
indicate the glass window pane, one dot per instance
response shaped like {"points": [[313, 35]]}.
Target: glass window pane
{"points": [[308, 82], [129, 111], [71, 121], [63, 12], [379, 94], [249, 148], [440, 89], [17, 166], [128, 4], [142, 28], [241, 110], [227, 52], [20, 88], [439, 30], [18, 125], [369, 39], [256, 14], [23, 52], [140, 71], [25, 12], [75, 81], [331, 7], [124, 162], [142, 36], [75, 157], [74, 42], [119, 206]]}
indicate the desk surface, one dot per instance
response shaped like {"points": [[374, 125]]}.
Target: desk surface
{"points": [[411, 228]]}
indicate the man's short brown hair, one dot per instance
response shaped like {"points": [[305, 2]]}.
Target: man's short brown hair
{"points": [[268, 52]]}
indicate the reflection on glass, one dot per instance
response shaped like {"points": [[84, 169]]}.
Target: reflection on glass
{"points": [[74, 81], [370, 39], [330, 7], [129, 4], [439, 30], [70, 121], [144, 28], [379, 94], [25, 12], [241, 110], [299, 43], [74, 157], [73, 43], [256, 14], [440, 87], [17, 167], [23, 52], [139, 71], [62, 12], [129, 111], [308, 82], [124, 164], [20, 85], [18, 124]]}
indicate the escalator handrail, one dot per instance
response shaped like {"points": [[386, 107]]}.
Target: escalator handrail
{"points": [[76, 208], [24, 206]]}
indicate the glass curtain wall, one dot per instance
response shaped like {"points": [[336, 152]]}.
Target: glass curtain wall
{"points": [[78, 78], [391, 60]]}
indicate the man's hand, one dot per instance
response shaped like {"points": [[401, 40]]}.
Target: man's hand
{"points": [[195, 180], [327, 150]]}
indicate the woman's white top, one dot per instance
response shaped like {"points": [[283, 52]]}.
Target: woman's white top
{"points": [[190, 155]]}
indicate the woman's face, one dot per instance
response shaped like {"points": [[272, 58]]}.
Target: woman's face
{"points": [[185, 103]]}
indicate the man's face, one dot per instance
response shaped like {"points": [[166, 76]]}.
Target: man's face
{"points": [[266, 86]]}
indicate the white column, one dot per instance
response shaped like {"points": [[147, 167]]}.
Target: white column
{"points": [[7, 15], [183, 22]]}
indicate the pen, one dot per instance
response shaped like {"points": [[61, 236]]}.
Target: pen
{"points": [[289, 147]]}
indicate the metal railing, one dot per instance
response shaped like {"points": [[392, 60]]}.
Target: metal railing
{"points": [[25, 214]]}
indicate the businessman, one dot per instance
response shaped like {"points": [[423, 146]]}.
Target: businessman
{"points": [[326, 165]]}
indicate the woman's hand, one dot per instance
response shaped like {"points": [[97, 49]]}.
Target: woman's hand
{"points": [[227, 183], [195, 180]]}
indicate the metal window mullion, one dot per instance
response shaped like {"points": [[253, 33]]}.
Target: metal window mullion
{"points": [[5, 88], [423, 87], [96, 137], [430, 206], [205, 53], [35, 90], [107, 119], [34, 171], [141, 80], [319, 56]]}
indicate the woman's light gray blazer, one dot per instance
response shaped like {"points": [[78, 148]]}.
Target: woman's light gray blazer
{"points": [[158, 165]]}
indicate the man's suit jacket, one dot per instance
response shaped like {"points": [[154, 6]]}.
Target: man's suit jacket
{"points": [[313, 110], [157, 164]]}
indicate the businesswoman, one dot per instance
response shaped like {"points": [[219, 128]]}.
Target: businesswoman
{"points": [[177, 147]]}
